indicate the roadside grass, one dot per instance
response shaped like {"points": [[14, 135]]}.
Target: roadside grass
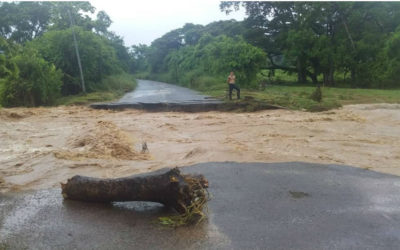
{"points": [[298, 97], [109, 89], [83, 99], [285, 92]]}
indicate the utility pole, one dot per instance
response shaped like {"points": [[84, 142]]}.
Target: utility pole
{"points": [[77, 53]]}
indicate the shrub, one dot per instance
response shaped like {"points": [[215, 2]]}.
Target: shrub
{"points": [[98, 57], [317, 95], [35, 82], [216, 57], [117, 83]]}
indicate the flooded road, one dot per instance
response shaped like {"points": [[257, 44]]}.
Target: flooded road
{"points": [[158, 92], [253, 206], [160, 96], [41, 147]]}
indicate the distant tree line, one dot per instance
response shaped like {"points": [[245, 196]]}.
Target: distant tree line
{"points": [[354, 43], [37, 55], [357, 42], [195, 52]]}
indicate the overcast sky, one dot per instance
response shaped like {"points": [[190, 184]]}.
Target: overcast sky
{"points": [[145, 20]]}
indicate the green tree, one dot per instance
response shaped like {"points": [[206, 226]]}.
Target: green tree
{"points": [[389, 70], [215, 56], [102, 23], [226, 54], [34, 81], [98, 57], [138, 55], [40, 33], [188, 35], [366, 27], [321, 37], [161, 47], [122, 52], [79, 11], [25, 20], [7, 49]]}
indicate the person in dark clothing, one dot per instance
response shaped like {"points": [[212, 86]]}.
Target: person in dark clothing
{"points": [[232, 85]]}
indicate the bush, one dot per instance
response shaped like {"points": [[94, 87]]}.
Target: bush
{"points": [[98, 57], [317, 95], [35, 82], [215, 57], [142, 75], [389, 73], [205, 83], [117, 83], [109, 89], [225, 54]]}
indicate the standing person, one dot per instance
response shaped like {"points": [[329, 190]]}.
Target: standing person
{"points": [[232, 85]]}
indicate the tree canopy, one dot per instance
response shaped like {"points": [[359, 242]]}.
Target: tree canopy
{"points": [[327, 38], [37, 55], [99, 59], [195, 51], [354, 44]]}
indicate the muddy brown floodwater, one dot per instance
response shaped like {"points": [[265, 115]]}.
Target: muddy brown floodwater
{"points": [[41, 147]]}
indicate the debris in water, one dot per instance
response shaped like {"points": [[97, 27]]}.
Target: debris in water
{"points": [[145, 149], [298, 195]]}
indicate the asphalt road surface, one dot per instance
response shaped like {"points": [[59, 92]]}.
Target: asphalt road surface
{"points": [[159, 92], [253, 206], [159, 96]]}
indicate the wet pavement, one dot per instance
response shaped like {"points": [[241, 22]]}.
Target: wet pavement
{"points": [[254, 206], [153, 95], [154, 92]]}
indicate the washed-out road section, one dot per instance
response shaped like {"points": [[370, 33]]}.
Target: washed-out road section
{"points": [[159, 96], [254, 206]]}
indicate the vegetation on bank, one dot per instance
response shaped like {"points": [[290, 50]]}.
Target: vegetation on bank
{"points": [[299, 97], [354, 44], [111, 88], [283, 90], [280, 53], [38, 63], [291, 47]]}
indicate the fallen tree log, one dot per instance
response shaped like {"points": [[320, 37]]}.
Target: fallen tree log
{"points": [[170, 188]]}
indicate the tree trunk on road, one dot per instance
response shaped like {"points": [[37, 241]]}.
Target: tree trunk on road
{"points": [[170, 188]]}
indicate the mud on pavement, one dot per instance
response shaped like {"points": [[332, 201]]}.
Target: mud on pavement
{"points": [[41, 147]]}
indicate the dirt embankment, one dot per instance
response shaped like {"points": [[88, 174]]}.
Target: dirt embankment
{"points": [[43, 146]]}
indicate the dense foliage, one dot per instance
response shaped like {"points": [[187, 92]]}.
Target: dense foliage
{"points": [[350, 40], [32, 81], [38, 63], [352, 44], [98, 57], [194, 54], [215, 56]]}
